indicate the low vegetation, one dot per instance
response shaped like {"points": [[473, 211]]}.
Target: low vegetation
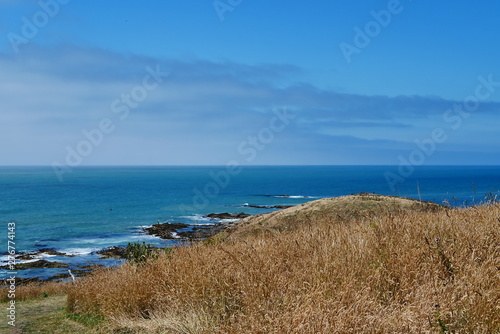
{"points": [[357, 264], [138, 253], [34, 290]]}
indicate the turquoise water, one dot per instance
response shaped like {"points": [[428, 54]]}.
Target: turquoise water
{"points": [[97, 207]]}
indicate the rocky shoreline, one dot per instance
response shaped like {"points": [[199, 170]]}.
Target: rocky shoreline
{"points": [[166, 231], [178, 231], [268, 206], [217, 222]]}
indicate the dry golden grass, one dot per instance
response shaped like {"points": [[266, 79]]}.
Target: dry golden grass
{"points": [[364, 267], [34, 290]]}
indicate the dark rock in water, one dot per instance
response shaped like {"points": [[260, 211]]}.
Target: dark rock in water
{"points": [[284, 196], [53, 252], [26, 256], [165, 230], [32, 256], [268, 206], [189, 232], [226, 215], [202, 232], [113, 252], [86, 270], [37, 264], [280, 206]]}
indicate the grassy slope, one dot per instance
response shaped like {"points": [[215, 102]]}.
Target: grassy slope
{"points": [[350, 264], [344, 207], [42, 316]]}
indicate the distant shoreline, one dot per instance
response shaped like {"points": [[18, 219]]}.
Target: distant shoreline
{"points": [[173, 231]]}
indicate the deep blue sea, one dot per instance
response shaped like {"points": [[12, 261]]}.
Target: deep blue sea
{"points": [[97, 207]]}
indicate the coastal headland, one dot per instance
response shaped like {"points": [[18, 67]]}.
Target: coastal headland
{"points": [[345, 264]]}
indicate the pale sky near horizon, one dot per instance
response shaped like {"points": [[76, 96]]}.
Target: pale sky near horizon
{"points": [[205, 82]]}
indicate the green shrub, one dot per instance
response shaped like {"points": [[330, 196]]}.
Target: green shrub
{"points": [[139, 253]]}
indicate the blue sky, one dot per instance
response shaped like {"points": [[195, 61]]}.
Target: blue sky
{"points": [[252, 81]]}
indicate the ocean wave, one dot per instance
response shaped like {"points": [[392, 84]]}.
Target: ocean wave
{"points": [[45, 255], [291, 196], [199, 218], [4, 259], [227, 220], [79, 251]]}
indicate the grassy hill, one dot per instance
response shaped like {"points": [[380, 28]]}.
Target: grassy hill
{"points": [[352, 264], [346, 208]]}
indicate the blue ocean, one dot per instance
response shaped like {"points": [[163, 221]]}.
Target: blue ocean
{"points": [[93, 208]]}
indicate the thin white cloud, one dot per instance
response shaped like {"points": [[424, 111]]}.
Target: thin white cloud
{"points": [[49, 95]]}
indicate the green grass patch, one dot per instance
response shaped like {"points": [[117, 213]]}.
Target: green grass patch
{"points": [[46, 315]]}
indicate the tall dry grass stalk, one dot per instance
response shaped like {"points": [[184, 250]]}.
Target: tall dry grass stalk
{"points": [[385, 271], [34, 290]]}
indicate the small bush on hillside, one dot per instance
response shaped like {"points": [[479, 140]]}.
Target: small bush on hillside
{"points": [[139, 253]]}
